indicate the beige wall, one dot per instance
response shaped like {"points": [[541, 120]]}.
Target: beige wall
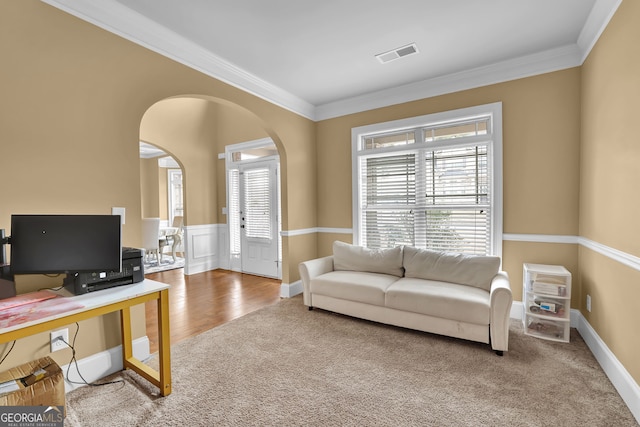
{"points": [[73, 99], [149, 188], [609, 202], [185, 128], [541, 140]]}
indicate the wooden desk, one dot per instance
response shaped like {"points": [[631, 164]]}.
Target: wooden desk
{"points": [[121, 299]]}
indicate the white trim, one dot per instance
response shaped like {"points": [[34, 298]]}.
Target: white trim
{"points": [[299, 232], [544, 62], [202, 248], [624, 383], [234, 261], [335, 230], [540, 238], [601, 14], [615, 254], [288, 290], [107, 362], [115, 17], [493, 110], [303, 231]]}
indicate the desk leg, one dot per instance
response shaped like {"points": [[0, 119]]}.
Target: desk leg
{"points": [[164, 343], [161, 378], [127, 344]]}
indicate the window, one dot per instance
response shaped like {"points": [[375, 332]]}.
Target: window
{"points": [[234, 211], [432, 182], [175, 203], [258, 210]]}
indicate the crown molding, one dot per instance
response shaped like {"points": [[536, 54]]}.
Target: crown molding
{"points": [[597, 21], [116, 18], [525, 66]]}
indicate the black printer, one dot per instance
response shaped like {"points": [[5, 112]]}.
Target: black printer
{"points": [[132, 272]]}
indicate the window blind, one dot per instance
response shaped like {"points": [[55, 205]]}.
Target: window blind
{"points": [[436, 195], [257, 212], [234, 211]]}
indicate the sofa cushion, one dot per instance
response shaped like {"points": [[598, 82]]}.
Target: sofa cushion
{"points": [[472, 270], [363, 287], [358, 258], [440, 299]]}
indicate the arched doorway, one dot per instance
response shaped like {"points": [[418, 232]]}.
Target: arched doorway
{"points": [[162, 196], [196, 131], [253, 208]]}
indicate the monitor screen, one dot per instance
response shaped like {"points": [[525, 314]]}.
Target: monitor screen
{"points": [[49, 244]]}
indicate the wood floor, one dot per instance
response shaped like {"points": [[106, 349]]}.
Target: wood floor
{"points": [[199, 302]]}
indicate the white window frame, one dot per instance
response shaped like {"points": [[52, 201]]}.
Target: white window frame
{"points": [[171, 193], [494, 111]]}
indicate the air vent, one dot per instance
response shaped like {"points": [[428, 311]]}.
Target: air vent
{"points": [[397, 53]]}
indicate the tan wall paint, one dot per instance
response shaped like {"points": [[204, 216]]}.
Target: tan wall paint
{"points": [[615, 293], [517, 253], [163, 193], [185, 128], [541, 137], [609, 202], [149, 188], [233, 127], [73, 98]]}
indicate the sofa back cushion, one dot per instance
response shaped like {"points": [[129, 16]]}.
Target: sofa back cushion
{"points": [[358, 258], [471, 270]]}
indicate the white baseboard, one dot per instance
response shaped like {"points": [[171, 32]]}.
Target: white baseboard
{"points": [[624, 383], [105, 363], [288, 290], [628, 389], [99, 365]]}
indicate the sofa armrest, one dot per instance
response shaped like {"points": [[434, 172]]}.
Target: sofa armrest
{"points": [[500, 300], [309, 270]]}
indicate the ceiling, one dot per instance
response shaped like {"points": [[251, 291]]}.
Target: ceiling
{"points": [[317, 58]]}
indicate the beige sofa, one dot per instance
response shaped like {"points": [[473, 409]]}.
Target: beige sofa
{"points": [[449, 294]]}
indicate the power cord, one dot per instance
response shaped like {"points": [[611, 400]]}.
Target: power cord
{"points": [[75, 362], [5, 356]]}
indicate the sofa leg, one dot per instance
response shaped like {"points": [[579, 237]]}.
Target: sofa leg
{"points": [[499, 352], [310, 307]]}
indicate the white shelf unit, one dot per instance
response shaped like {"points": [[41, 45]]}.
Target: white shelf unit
{"points": [[546, 295]]}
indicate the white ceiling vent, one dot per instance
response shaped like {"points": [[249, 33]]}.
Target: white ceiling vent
{"points": [[397, 53]]}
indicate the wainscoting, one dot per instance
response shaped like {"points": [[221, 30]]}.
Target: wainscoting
{"points": [[206, 248]]}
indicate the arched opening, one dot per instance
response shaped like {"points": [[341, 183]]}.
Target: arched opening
{"points": [[162, 197], [196, 131]]}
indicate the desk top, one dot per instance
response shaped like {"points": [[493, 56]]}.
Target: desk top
{"points": [[72, 304]]}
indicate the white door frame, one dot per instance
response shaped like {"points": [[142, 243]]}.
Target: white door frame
{"points": [[235, 259]]}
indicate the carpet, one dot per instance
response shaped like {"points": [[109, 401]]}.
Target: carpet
{"points": [[166, 264], [284, 365]]}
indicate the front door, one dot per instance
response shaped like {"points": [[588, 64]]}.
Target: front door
{"points": [[259, 218]]}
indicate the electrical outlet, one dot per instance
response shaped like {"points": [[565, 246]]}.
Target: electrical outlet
{"points": [[589, 303], [57, 338]]}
